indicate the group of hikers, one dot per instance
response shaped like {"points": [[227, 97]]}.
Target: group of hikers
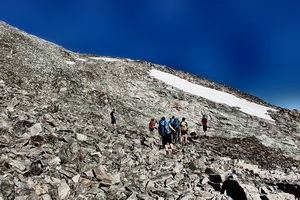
{"points": [[171, 131], [174, 131]]}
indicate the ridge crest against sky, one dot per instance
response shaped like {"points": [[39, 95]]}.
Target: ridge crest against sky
{"points": [[253, 46]]}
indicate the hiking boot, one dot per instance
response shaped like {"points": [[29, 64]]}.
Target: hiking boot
{"points": [[175, 152]]}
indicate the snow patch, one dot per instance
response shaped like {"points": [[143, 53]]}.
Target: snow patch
{"points": [[81, 59], [70, 62], [213, 95], [105, 59]]}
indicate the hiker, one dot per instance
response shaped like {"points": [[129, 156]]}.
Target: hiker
{"points": [[161, 129], [204, 124], [165, 134], [184, 127], [152, 126], [174, 122], [113, 118], [171, 124], [177, 130]]}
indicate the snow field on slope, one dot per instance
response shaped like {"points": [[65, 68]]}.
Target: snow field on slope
{"points": [[213, 95], [106, 59]]}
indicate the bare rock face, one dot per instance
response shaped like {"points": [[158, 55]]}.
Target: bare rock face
{"points": [[56, 140]]}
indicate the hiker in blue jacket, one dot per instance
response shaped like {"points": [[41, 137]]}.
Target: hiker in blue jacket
{"points": [[165, 133]]}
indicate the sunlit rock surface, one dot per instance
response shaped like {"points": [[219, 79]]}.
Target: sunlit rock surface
{"points": [[56, 140]]}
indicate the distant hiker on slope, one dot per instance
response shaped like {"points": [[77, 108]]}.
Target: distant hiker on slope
{"points": [[184, 131], [152, 126], [204, 124], [113, 118]]}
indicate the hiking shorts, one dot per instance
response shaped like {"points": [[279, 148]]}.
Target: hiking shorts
{"points": [[167, 139], [184, 132], [205, 127], [113, 120], [151, 130]]}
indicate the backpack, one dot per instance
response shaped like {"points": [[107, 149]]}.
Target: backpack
{"points": [[177, 123], [204, 121], [184, 126], [162, 125], [173, 124]]}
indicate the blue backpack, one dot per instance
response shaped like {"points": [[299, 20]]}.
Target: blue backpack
{"points": [[163, 127], [177, 123], [171, 122]]}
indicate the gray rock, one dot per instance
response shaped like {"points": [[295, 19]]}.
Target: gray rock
{"points": [[57, 142], [63, 190], [54, 161], [204, 180], [187, 196], [81, 137], [46, 197], [105, 177], [251, 192], [36, 129], [18, 164], [279, 196]]}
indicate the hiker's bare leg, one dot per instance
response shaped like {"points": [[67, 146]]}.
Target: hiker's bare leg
{"points": [[166, 148], [172, 147]]}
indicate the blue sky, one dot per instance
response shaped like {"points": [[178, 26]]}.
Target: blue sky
{"points": [[253, 46]]}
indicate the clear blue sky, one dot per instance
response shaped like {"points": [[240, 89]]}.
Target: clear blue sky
{"points": [[252, 45]]}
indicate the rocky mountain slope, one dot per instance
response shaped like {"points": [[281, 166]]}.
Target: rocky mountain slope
{"points": [[56, 140]]}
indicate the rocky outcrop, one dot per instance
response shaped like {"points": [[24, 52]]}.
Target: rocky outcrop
{"points": [[56, 141]]}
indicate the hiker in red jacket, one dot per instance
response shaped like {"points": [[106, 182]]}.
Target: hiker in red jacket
{"points": [[152, 126], [204, 124]]}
